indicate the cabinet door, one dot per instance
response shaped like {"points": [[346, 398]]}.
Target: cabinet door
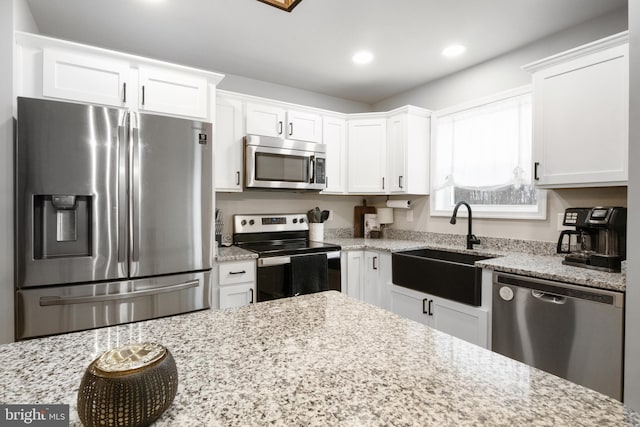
{"points": [[236, 295], [460, 320], [228, 145], [581, 111], [367, 156], [397, 153], [304, 126], [371, 284], [85, 78], [266, 120], [355, 274], [409, 304], [171, 92], [335, 139]]}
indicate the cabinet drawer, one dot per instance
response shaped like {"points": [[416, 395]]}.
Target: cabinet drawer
{"points": [[237, 272]]}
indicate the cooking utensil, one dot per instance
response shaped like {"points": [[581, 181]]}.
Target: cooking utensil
{"points": [[311, 216], [324, 216]]}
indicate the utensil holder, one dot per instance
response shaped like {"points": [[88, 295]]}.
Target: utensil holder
{"points": [[316, 231]]}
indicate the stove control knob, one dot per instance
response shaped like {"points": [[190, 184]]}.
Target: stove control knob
{"points": [[243, 222], [301, 220], [251, 222], [295, 220]]}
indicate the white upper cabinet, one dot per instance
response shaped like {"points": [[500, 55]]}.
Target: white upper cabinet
{"points": [[228, 144], [408, 151], [84, 78], [171, 92], [581, 115], [267, 120], [304, 126], [367, 160], [272, 120], [335, 138], [52, 68]]}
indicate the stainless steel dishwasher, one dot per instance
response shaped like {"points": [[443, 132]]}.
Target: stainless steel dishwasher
{"points": [[574, 332]]}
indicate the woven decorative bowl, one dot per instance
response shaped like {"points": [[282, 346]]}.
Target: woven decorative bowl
{"points": [[128, 386]]}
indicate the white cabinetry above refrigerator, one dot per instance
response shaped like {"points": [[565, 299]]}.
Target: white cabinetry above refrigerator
{"points": [[57, 69]]}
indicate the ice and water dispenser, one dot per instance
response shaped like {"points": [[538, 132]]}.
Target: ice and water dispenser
{"points": [[62, 226]]}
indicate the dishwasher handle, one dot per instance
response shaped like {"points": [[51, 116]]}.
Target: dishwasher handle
{"points": [[550, 298]]}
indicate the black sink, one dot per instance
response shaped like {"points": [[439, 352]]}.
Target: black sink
{"points": [[449, 275]]}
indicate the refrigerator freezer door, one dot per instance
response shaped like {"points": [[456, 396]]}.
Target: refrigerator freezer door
{"points": [[171, 190], [68, 197], [58, 309]]}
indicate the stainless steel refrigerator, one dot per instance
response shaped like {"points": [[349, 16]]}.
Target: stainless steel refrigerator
{"points": [[113, 216]]}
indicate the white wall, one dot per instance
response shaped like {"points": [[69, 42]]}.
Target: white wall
{"points": [[254, 87], [632, 324], [6, 178], [13, 14], [503, 72], [22, 18], [250, 202], [541, 230]]}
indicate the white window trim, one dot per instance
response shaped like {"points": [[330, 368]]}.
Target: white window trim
{"points": [[486, 211]]}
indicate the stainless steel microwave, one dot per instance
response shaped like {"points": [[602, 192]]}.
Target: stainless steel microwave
{"points": [[280, 164]]}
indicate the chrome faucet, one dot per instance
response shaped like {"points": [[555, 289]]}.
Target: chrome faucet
{"points": [[471, 238]]}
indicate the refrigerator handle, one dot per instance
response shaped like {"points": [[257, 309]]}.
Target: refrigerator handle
{"points": [[56, 300], [123, 177], [134, 183]]}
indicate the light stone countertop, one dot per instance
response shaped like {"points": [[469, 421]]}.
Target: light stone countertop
{"points": [[315, 360], [540, 266], [234, 253]]}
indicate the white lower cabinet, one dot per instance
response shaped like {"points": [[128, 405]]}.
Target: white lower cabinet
{"points": [[368, 276], [235, 284], [460, 320]]}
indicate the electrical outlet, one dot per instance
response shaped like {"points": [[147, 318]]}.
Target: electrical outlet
{"points": [[410, 215]]}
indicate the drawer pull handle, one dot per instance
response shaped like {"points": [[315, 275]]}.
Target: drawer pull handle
{"points": [[238, 272]]}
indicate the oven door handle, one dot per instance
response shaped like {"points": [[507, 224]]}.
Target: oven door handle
{"points": [[282, 260]]}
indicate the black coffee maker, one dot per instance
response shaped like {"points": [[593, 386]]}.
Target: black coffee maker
{"points": [[599, 240]]}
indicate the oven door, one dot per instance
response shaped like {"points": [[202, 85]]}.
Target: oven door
{"points": [[292, 165], [275, 279]]}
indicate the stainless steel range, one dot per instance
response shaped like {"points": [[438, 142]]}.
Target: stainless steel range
{"points": [[289, 264]]}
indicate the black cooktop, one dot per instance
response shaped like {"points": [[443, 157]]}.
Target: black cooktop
{"points": [[284, 247]]}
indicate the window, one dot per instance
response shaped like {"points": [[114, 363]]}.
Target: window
{"points": [[481, 153]]}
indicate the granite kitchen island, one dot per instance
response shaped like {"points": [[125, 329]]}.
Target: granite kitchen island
{"points": [[321, 359]]}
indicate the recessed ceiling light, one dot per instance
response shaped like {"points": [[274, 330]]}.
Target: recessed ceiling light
{"points": [[453, 50], [362, 57]]}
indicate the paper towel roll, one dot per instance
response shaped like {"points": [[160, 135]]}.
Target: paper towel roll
{"points": [[385, 215], [399, 204]]}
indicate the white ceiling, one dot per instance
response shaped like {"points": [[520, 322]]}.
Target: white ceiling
{"points": [[311, 47]]}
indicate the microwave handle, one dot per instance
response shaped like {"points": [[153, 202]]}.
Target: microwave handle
{"points": [[312, 168]]}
